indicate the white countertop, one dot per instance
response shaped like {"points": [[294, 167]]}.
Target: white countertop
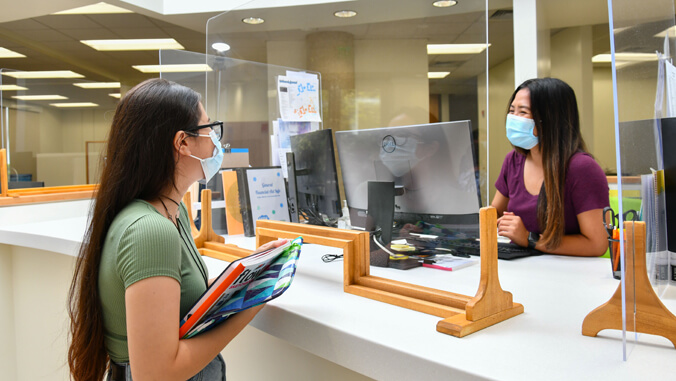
{"points": [[392, 343]]}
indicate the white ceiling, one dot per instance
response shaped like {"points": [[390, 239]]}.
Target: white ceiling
{"points": [[51, 42]]}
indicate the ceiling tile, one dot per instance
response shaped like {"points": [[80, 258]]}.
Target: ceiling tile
{"points": [[44, 35], [68, 22], [124, 20], [141, 33], [23, 25], [90, 34]]}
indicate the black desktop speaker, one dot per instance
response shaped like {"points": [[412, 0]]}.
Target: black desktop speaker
{"points": [[381, 209]]}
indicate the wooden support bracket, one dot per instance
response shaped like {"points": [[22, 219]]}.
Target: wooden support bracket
{"points": [[4, 184], [650, 316], [463, 314]]}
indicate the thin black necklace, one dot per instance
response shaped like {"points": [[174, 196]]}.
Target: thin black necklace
{"points": [[193, 253], [173, 219], [189, 247]]}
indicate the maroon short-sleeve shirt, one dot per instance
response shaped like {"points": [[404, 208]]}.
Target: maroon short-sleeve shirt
{"points": [[586, 189]]}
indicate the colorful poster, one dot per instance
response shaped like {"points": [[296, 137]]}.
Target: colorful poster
{"points": [[299, 98]]}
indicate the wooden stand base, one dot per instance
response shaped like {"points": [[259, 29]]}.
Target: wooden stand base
{"points": [[463, 314], [650, 316]]}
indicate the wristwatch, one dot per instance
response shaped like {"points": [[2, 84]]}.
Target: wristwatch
{"points": [[533, 239]]}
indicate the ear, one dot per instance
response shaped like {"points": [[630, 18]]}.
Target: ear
{"points": [[181, 146], [535, 130]]}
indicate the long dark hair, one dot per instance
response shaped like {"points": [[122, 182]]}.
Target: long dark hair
{"points": [[139, 164], [557, 120]]}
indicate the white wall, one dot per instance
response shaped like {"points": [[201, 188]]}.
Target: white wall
{"points": [[391, 79], [34, 341], [571, 54], [501, 84], [604, 130]]}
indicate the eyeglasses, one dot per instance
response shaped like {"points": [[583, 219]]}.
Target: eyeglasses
{"points": [[216, 126]]}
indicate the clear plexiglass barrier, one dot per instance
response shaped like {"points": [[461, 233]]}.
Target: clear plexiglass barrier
{"points": [[645, 134], [372, 78], [244, 95], [400, 108], [53, 129]]}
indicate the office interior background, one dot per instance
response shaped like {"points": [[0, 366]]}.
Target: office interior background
{"points": [[378, 59]]}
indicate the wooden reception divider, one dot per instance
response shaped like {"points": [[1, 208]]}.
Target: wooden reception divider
{"points": [[644, 309], [207, 241], [462, 314], [38, 195]]}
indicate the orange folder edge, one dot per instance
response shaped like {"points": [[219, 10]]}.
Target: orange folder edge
{"points": [[210, 301]]}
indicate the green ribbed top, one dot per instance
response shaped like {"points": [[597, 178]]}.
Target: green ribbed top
{"points": [[142, 243]]}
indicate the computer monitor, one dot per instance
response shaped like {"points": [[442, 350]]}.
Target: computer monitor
{"points": [[313, 175], [431, 165]]}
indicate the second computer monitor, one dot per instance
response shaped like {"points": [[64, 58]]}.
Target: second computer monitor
{"points": [[316, 179], [431, 164]]}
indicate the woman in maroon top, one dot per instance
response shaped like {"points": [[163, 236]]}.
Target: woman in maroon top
{"points": [[550, 192]]}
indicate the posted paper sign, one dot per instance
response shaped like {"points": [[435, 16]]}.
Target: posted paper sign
{"points": [[299, 98], [267, 195], [671, 89]]}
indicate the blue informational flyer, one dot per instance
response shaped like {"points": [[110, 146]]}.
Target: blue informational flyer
{"points": [[267, 194]]}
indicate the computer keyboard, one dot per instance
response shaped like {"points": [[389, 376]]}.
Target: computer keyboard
{"points": [[462, 247], [505, 250]]}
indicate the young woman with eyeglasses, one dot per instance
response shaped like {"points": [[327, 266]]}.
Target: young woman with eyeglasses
{"points": [[138, 271]]}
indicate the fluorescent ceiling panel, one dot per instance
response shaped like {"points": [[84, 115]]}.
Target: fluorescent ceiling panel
{"points": [[133, 44], [671, 30], [172, 7], [437, 74], [178, 68], [12, 88], [94, 9], [38, 97], [456, 48], [625, 57], [43, 74], [115, 95], [98, 85], [75, 104], [6, 53]]}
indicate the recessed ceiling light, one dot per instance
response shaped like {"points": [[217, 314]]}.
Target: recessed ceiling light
{"points": [[625, 57], [43, 74], [38, 97], [6, 53], [178, 68], [253, 20], [456, 48], [437, 74], [345, 14], [133, 44], [12, 88], [220, 46], [75, 104], [98, 85], [444, 3], [98, 8], [115, 95]]}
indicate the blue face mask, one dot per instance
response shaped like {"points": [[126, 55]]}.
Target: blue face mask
{"points": [[211, 165], [520, 132]]}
